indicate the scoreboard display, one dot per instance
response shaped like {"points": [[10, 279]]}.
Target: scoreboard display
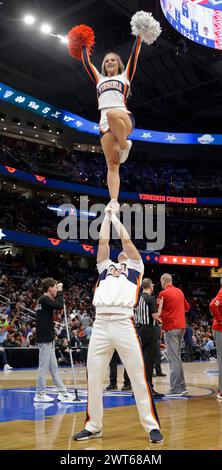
{"points": [[198, 20]]}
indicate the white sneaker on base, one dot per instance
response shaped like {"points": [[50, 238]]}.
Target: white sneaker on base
{"points": [[66, 398], [219, 396], [112, 207], [43, 398], [7, 367], [123, 154]]}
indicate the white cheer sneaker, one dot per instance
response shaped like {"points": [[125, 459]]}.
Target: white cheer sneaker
{"points": [[123, 154], [7, 367], [66, 398]]}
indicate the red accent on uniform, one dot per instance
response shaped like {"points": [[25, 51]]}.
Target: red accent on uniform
{"points": [[87, 406], [88, 65], [216, 310], [174, 307], [135, 59], [138, 288]]}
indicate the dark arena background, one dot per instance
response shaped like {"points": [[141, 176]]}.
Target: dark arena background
{"points": [[53, 176]]}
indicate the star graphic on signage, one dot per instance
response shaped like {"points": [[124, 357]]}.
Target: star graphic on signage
{"points": [[2, 234], [203, 261], [212, 261], [193, 261], [184, 260], [174, 260], [171, 138], [146, 135], [165, 260]]}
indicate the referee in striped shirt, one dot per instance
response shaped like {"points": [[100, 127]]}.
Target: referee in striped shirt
{"points": [[146, 314]]}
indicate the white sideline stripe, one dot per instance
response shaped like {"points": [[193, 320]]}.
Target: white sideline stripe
{"points": [[80, 392]]}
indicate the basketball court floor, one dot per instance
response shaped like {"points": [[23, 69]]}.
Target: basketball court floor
{"points": [[191, 422]]}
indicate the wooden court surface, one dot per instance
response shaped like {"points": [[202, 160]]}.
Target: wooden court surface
{"points": [[193, 423]]}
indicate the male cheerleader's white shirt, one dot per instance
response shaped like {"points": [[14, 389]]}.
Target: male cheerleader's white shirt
{"points": [[118, 286]]}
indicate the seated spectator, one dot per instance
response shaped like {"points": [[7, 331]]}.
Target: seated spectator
{"points": [[207, 348], [32, 337], [188, 343], [63, 353], [82, 335], [85, 318], [76, 345], [88, 330], [3, 334]]}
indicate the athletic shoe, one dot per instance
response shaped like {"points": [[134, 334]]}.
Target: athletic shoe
{"points": [[157, 395], [84, 435], [66, 398], [161, 374], [112, 207], [112, 387], [174, 394], [43, 398], [123, 154], [155, 436], [7, 367], [126, 388], [219, 396], [185, 392]]}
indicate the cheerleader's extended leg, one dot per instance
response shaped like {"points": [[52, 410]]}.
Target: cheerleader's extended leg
{"points": [[111, 150], [121, 125]]}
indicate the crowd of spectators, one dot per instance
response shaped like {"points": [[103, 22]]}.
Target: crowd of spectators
{"points": [[185, 233], [141, 174], [21, 283]]}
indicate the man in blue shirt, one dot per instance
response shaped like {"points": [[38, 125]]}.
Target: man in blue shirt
{"points": [[3, 334]]}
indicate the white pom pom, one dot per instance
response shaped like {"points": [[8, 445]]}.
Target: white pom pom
{"points": [[144, 25]]}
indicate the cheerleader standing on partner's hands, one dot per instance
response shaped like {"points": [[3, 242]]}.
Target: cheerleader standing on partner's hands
{"points": [[113, 88]]}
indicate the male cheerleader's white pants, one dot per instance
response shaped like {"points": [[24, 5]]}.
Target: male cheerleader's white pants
{"points": [[114, 331]]}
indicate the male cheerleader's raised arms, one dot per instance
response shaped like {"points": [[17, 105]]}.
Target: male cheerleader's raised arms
{"points": [[113, 88]]}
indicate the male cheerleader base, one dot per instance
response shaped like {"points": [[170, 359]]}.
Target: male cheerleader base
{"points": [[114, 298]]}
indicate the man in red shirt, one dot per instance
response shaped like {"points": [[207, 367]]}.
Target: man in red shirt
{"points": [[173, 317], [216, 310]]}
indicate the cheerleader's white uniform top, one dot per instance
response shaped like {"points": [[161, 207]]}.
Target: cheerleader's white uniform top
{"points": [[112, 92]]}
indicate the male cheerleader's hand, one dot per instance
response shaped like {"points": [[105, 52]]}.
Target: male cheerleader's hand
{"points": [[112, 207], [59, 286]]}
